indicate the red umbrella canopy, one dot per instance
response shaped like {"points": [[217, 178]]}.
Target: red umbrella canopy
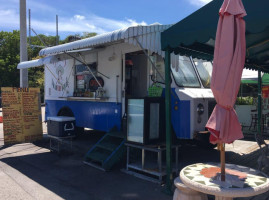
{"points": [[228, 64]]}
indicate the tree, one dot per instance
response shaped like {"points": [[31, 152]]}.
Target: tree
{"points": [[37, 44], [71, 38], [87, 35], [36, 74], [9, 58]]}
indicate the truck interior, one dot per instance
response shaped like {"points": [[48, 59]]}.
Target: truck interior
{"points": [[136, 74]]}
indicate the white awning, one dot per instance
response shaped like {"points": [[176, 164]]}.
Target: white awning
{"points": [[148, 36], [46, 60], [34, 63], [249, 74]]}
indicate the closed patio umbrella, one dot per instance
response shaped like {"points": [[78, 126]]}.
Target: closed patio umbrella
{"points": [[228, 64]]}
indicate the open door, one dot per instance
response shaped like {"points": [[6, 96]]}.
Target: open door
{"points": [[135, 76]]}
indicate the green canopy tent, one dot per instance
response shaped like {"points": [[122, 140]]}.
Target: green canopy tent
{"points": [[254, 80], [195, 36], [249, 81]]}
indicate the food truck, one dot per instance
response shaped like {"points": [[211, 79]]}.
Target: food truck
{"points": [[92, 80]]}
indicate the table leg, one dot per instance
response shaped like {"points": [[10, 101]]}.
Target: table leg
{"points": [[223, 198], [143, 158], [160, 164], [176, 159], [50, 145], [58, 146], [160, 161], [128, 152]]}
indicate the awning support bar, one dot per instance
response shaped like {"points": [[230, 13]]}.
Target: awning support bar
{"points": [[84, 63], [149, 59], [90, 70]]}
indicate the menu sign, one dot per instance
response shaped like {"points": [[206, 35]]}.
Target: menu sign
{"points": [[21, 109]]}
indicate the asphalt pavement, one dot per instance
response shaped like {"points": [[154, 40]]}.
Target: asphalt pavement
{"points": [[31, 171]]}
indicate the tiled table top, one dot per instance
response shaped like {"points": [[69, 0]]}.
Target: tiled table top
{"points": [[240, 181]]}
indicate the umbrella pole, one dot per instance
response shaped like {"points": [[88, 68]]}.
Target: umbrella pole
{"points": [[222, 160]]}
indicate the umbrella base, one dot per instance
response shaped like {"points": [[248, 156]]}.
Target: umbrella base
{"points": [[182, 192]]}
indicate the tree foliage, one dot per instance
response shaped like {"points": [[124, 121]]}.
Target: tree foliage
{"points": [[10, 57], [87, 35], [71, 38]]}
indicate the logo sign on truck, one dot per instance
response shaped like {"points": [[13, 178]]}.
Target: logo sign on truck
{"points": [[59, 79]]}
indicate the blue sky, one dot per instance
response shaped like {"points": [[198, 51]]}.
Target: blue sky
{"points": [[95, 15]]}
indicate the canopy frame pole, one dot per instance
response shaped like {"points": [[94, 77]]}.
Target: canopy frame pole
{"points": [[169, 175], [259, 101]]}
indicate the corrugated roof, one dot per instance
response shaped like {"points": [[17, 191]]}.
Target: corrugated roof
{"points": [[148, 37]]}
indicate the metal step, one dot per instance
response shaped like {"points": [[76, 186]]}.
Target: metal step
{"points": [[116, 134], [98, 156], [107, 146], [94, 165], [107, 151]]}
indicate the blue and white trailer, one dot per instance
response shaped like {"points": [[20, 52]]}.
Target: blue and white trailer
{"points": [[122, 63]]}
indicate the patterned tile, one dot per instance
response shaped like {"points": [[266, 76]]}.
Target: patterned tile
{"points": [[254, 178]]}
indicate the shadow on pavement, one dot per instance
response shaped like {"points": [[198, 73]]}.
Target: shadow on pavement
{"points": [[67, 176]]}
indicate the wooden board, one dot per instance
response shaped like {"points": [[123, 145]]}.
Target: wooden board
{"points": [[22, 121]]}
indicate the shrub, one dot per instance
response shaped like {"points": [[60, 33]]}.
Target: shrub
{"points": [[245, 100]]}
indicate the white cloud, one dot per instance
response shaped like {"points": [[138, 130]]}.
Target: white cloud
{"points": [[9, 19], [199, 2], [79, 17], [32, 4], [40, 7], [134, 23], [79, 24]]}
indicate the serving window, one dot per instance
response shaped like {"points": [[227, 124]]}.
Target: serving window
{"points": [[83, 77]]}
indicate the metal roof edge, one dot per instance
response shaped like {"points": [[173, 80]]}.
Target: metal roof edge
{"points": [[102, 39]]}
